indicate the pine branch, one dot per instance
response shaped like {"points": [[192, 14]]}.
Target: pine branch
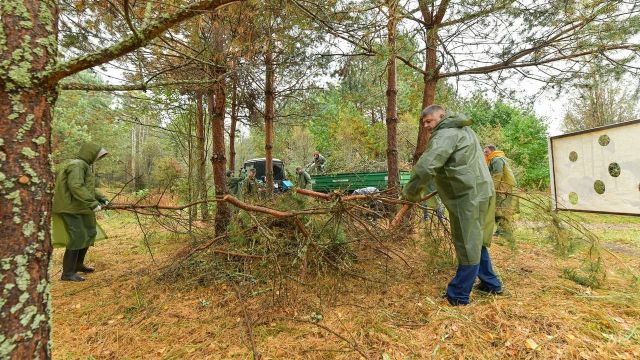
{"points": [[144, 36]]}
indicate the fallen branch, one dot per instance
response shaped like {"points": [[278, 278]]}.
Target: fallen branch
{"points": [[406, 207], [255, 208], [247, 323], [352, 344]]}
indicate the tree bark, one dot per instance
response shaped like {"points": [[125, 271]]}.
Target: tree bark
{"points": [[431, 68], [269, 114], [193, 191], [393, 172], [217, 108], [28, 47], [232, 128], [202, 171]]}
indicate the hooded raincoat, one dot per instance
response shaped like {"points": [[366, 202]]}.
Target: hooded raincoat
{"points": [[504, 182], [75, 196], [304, 180], [455, 160]]}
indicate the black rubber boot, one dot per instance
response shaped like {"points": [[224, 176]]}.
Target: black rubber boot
{"points": [[69, 266], [80, 267]]}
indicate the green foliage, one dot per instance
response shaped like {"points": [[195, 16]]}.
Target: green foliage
{"points": [[165, 173], [81, 117], [588, 278], [516, 131]]}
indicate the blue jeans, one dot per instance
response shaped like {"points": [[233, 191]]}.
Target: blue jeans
{"points": [[460, 287]]}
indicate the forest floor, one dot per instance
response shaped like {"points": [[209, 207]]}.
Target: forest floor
{"points": [[126, 311]]}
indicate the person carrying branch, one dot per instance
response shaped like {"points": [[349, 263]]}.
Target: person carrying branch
{"points": [[454, 159], [504, 182], [304, 179], [319, 163], [75, 202]]}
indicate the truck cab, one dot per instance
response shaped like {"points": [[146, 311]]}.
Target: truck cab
{"points": [[260, 165]]}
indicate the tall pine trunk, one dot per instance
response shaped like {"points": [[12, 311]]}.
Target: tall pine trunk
{"points": [[27, 48], [193, 186], [269, 114], [232, 128], [430, 76], [216, 101], [393, 180], [201, 181]]}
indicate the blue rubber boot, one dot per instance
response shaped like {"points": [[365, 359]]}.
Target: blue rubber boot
{"points": [[489, 281], [460, 287]]}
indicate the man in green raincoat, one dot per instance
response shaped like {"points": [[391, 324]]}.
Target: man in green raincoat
{"points": [[454, 158], [504, 182], [75, 202], [250, 188], [304, 179], [233, 184]]}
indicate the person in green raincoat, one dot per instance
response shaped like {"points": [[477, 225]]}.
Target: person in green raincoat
{"points": [[304, 179], [504, 182], [75, 202], [234, 184], [454, 159], [250, 188]]}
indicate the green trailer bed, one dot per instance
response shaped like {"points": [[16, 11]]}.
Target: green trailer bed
{"points": [[352, 181]]}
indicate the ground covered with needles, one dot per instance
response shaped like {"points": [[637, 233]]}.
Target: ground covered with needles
{"points": [[136, 307]]}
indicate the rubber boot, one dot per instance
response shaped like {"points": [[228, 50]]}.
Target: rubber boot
{"points": [[460, 286], [80, 267], [489, 281], [69, 266]]}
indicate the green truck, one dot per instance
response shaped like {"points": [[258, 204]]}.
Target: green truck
{"points": [[351, 181]]}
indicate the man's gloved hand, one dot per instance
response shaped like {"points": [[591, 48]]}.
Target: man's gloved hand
{"points": [[103, 202], [97, 208]]}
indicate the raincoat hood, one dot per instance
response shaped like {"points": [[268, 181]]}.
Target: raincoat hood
{"points": [[91, 152], [493, 155], [454, 120]]}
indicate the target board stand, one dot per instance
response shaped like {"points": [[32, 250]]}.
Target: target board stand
{"points": [[597, 170]]}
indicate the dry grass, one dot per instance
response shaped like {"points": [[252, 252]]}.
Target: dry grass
{"points": [[124, 310]]}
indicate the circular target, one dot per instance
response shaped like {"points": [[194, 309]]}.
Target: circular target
{"points": [[573, 198], [599, 187], [573, 156], [604, 140], [614, 169]]}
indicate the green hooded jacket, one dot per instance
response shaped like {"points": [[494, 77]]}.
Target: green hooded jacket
{"points": [[455, 160], [304, 180], [75, 191], [504, 181], [250, 187], [234, 185]]}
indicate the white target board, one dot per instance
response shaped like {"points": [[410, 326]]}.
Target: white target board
{"points": [[597, 170]]}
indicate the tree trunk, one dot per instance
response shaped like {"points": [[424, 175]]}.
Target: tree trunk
{"points": [[28, 47], [193, 191], [216, 102], [430, 76], [269, 114], [134, 170], [393, 179], [201, 181], [232, 128]]}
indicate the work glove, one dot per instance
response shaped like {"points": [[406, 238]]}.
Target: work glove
{"points": [[97, 208], [104, 202]]}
